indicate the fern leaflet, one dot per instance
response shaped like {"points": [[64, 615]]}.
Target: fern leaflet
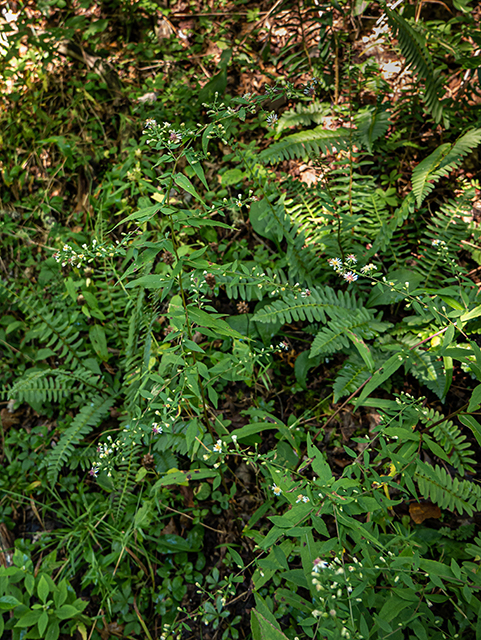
{"points": [[441, 162], [88, 418]]}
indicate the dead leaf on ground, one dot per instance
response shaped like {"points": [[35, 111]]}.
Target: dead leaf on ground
{"points": [[420, 512], [169, 528]]}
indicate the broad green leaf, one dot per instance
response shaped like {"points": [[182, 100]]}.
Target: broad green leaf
{"points": [[53, 631], [263, 629], [43, 589], [66, 611], [475, 400], [99, 341], [363, 349], [8, 602], [42, 623], [61, 594], [393, 607], [380, 376], [183, 477], [184, 183], [197, 167], [29, 618], [472, 424]]}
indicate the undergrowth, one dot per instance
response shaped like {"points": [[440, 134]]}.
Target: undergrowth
{"points": [[241, 365]]}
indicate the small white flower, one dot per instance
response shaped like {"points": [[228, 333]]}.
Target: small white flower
{"points": [[217, 448], [276, 490]]}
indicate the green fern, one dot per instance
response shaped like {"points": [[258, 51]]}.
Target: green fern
{"points": [[474, 549], [437, 485], [312, 308], [413, 48], [300, 145], [335, 337], [53, 328], [429, 370], [303, 115], [127, 470], [452, 441], [350, 377], [447, 225], [51, 385], [441, 162], [244, 285], [372, 123], [88, 418], [463, 532]]}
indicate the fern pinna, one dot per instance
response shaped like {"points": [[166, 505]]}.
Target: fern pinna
{"points": [[88, 418]]}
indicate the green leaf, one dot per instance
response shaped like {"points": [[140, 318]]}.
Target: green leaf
{"points": [[53, 631], [42, 623], [393, 607], [184, 183], [363, 349], [472, 424], [43, 589], [475, 400], [183, 477], [263, 629], [204, 319], [302, 366], [99, 341], [66, 611], [61, 594], [380, 376], [8, 602], [319, 464], [197, 167], [29, 618], [232, 176], [29, 583]]}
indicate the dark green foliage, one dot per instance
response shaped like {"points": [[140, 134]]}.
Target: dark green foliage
{"points": [[240, 362]]}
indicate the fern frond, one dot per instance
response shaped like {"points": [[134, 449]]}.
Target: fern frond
{"points": [[245, 286], [350, 377], [54, 328], [463, 532], [127, 471], [429, 370], [413, 48], [449, 436], [437, 485], [372, 123], [303, 115], [448, 225], [441, 162], [333, 337], [303, 143], [312, 308], [88, 418], [51, 385]]}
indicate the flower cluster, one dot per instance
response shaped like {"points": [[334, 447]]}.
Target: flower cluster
{"points": [[302, 498], [165, 133], [368, 268], [238, 202], [69, 256], [346, 269], [105, 453]]}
